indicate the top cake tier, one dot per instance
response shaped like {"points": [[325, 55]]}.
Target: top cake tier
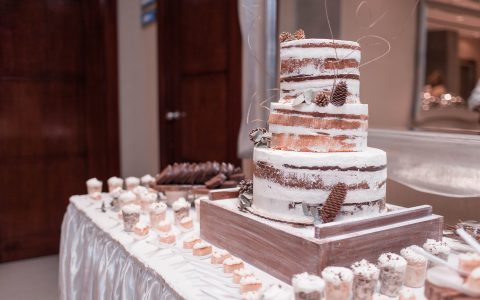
{"points": [[317, 65]]}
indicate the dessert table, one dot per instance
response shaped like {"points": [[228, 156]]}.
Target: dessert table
{"points": [[99, 260]]}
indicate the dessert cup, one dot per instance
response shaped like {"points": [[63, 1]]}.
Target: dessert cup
{"points": [[365, 278], [158, 213], [147, 180], [437, 248], [181, 209], [146, 200], [131, 216], [114, 183], [131, 183], [416, 271], [127, 198], [338, 283], [94, 186], [307, 287], [392, 273], [186, 224]]}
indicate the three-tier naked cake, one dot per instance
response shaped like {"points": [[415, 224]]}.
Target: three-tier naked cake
{"points": [[318, 149]]}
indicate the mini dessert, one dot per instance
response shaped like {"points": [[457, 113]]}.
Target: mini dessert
{"points": [[231, 264], [407, 294], [158, 212], [219, 256], [140, 192], [276, 292], [307, 286], [94, 186], [114, 183], [439, 249], [202, 248], [473, 280], [181, 209], [164, 226], [467, 262], [147, 199], [186, 223], [132, 182], [96, 195], [189, 242], [141, 229], [250, 296], [392, 273], [131, 216], [249, 284], [115, 194], [167, 238], [127, 198], [338, 283], [240, 273], [147, 180], [416, 271], [365, 278]]}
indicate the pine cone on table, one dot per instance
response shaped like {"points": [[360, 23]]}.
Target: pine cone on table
{"points": [[334, 202], [339, 95]]}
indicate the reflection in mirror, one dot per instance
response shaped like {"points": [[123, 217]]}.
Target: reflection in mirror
{"points": [[450, 89]]}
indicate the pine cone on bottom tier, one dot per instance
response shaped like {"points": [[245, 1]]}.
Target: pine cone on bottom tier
{"points": [[334, 202], [321, 100]]}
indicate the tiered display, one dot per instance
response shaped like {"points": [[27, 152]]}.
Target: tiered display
{"points": [[318, 138]]}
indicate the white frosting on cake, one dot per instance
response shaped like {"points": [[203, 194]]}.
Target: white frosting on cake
{"points": [[436, 247], [243, 272], [307, 283], [115, 180], [413, 257], [392, 260], [251, 279], [158, 207], [337, 275], [274, 197], [131, 209], [180, 203], [127, 197], [132, 181], [365, 269], [201, 245], [94, 182], [147, 179], [232, 261]]}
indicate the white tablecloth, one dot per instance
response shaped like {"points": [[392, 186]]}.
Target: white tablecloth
{"points": [[98, 260]]}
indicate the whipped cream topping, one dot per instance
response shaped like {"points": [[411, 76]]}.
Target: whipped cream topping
{"points": [[131, 209], [412, 257], [94, 182], [243, 272], [337, 275], [392, 260], [180, 203], [147, 179], [132, 181], [116, 192], [436, 247], [307, 283], [251, 279], [127, 197], [276, 292], [115, 180], [149, 197], [220, 252], [140, 190], [163, 223], [365, 269], [191, 238], [158, 207], [201, 245], [232, 261]]}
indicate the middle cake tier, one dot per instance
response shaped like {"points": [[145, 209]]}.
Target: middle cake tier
{"points": [[312, 128], [284, 180]]}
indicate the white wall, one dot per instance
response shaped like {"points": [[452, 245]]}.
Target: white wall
{"points": [[138, 101]]}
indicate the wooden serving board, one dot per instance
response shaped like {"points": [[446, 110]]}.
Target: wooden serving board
{"points": [[283, 250]]}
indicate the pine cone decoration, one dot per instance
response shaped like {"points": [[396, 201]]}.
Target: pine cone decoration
{"points": [[321, 99], [299, 34], [339, 95], [246, 187], [334, 202], [285, 37]]}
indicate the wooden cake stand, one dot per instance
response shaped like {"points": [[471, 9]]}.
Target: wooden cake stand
{"points": [[284, 250]]}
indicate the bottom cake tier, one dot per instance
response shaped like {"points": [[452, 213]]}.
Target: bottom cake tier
{"points": [[287, 185]]}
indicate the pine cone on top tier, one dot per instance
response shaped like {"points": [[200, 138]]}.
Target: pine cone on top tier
{"points": [[321, 99], [334, 202], [299, 34], [285, 37], [339, 95]]}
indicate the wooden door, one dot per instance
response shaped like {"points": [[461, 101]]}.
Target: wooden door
{"points": [[58, 114], [200, 80]]}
